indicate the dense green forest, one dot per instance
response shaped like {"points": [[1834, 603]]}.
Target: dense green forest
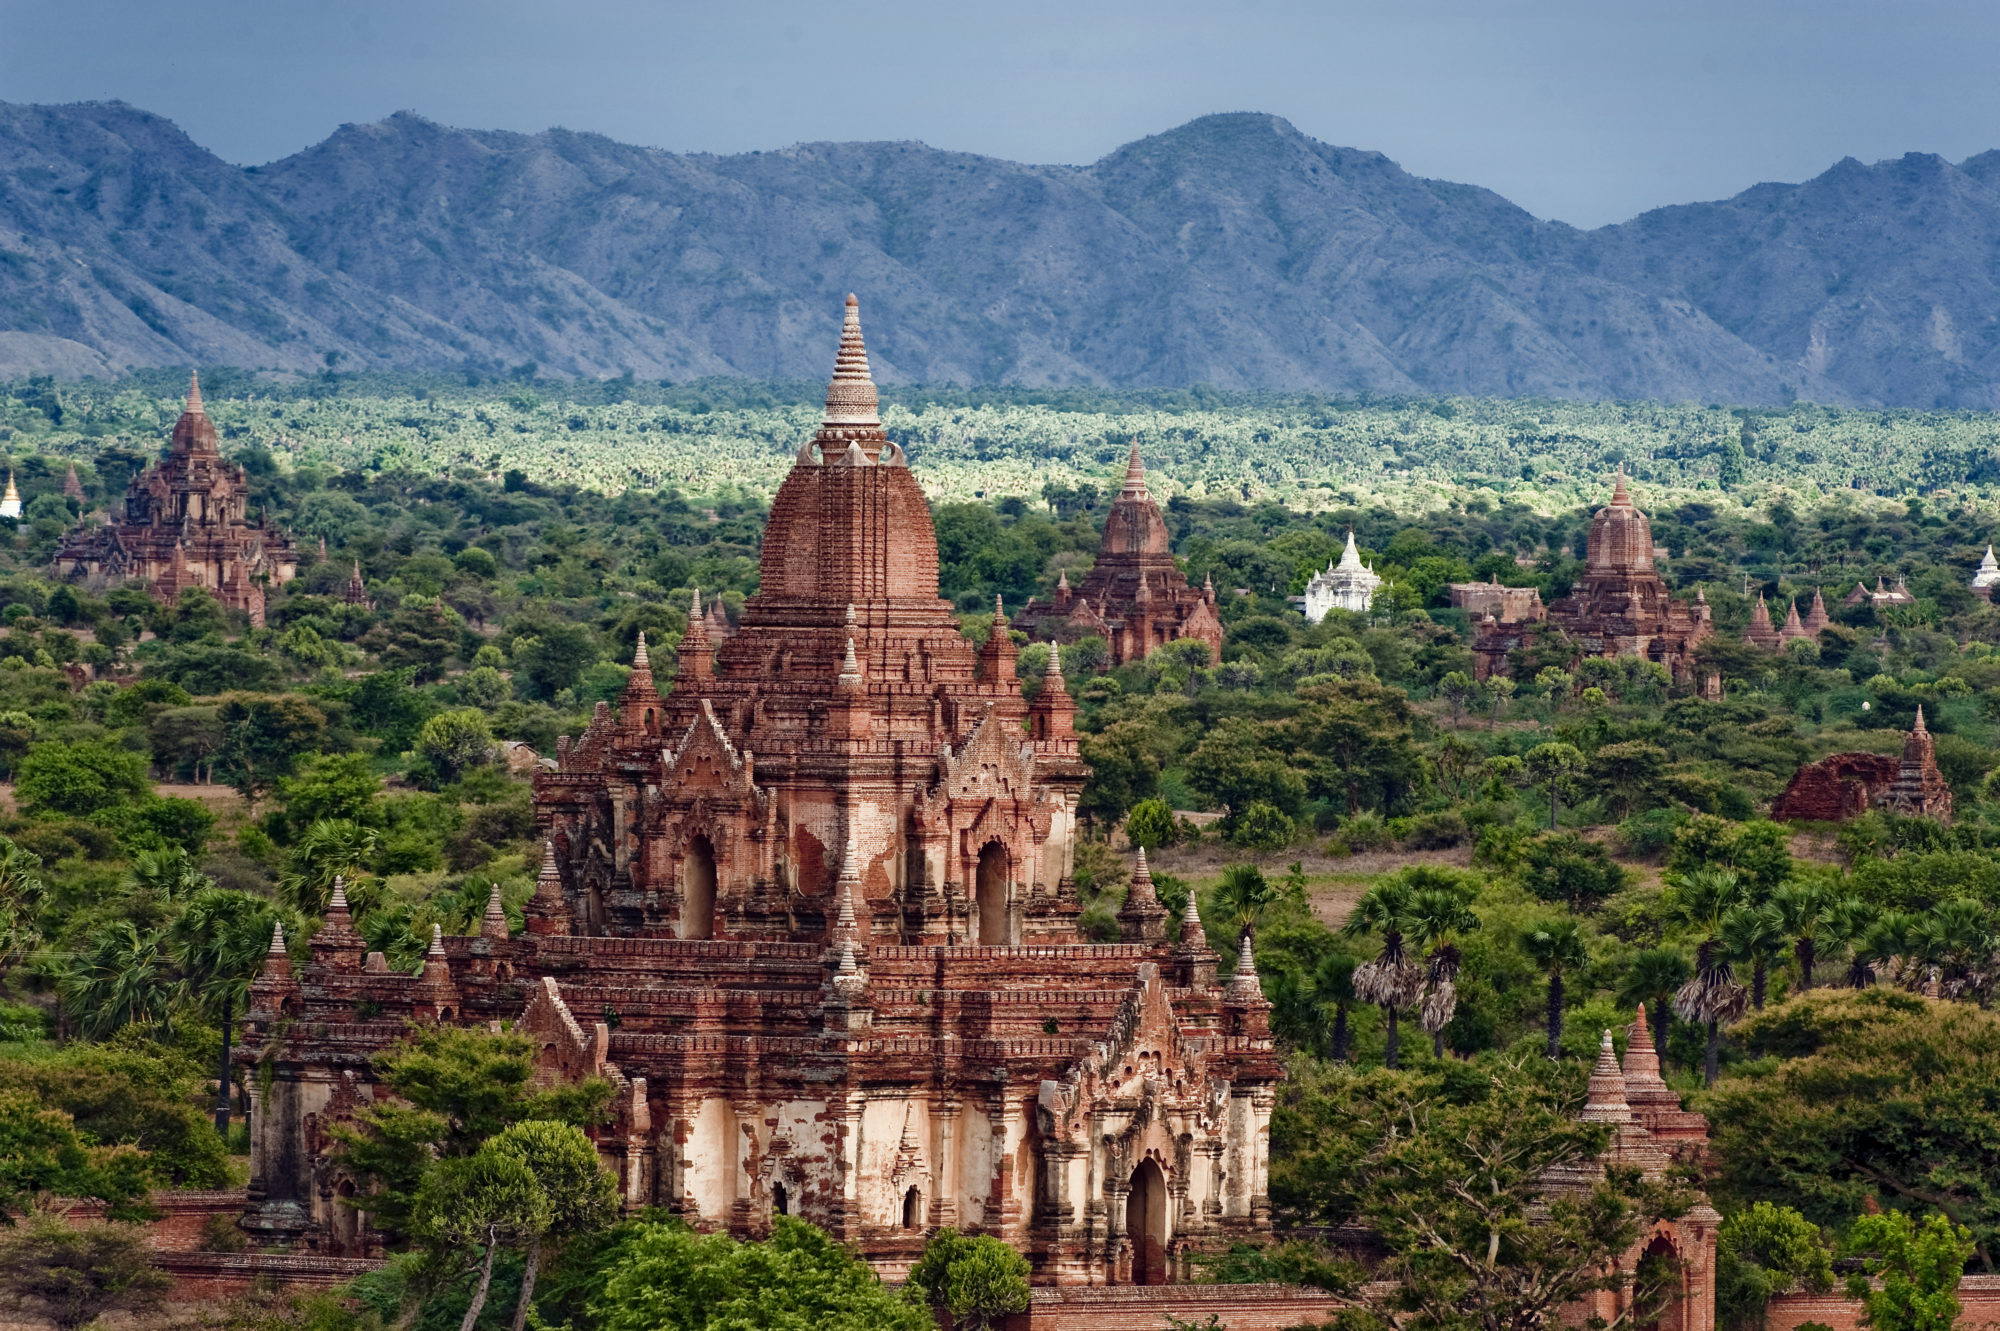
{"points": [[1449, 881]]}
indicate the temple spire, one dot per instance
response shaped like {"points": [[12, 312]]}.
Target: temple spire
{"points": [[1135, 472], [852, 421], [1606, 1102], [194, 403]]}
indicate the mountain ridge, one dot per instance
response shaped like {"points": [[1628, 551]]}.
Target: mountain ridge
{"points": [[1232, 250]]}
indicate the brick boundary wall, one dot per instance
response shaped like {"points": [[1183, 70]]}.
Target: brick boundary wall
{"points": [[1145, 1307], [1978, 1295]]}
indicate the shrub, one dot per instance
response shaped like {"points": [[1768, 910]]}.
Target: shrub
{"points": [[1151, 824], [1437, 831], [1264, 827]]}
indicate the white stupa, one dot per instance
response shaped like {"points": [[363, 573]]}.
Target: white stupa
{"points": [[1988, 575], [10, 507], [1344, 586]]}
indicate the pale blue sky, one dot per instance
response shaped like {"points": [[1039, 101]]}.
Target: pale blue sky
{"points": [[1584, 110]]}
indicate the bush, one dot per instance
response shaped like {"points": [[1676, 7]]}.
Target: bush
{"points": [[1363, 832], [1437, 831], [1650, 835], [79, 779], [976, 1282], [1566, 868], [1263, 827]]}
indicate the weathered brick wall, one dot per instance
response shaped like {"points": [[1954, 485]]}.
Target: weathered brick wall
{"points": [[1979, 1297], [1145, 1307]]}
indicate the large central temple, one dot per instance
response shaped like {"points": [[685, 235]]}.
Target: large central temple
{"points": [[811, 913]]}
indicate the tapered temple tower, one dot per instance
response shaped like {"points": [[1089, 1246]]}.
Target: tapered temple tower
{"points": [[1135, 596], [810, 911], [186, 524]]}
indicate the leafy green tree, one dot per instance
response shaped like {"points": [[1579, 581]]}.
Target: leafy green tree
{"points": [[1554, 765], [1354, 740], [1628, 775], [1877, 1098], [1754, 936], [79, 779], [1758, 853], [338, 786], [1561, 948], [551, 658], [1459, 690], [1263, 827], [76, 1274], [977, 1282], [1151, 824], [264, 738], [418, 636], [1567, 868], [451, 744], [454, 1088], [1235, 766], [1124, 769], [1762, 1251], [578, 1195], [135, 1092], [186, 740], [482, 1203], [665, 1277], [1910, 1275], [42, 1155], [1457, 1184]]}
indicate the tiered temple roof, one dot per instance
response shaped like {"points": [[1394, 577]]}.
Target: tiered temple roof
{"points": [[1135, 596], [186, 524], [809, 910]]}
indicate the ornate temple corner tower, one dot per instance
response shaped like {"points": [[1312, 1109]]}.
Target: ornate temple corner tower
{"points": [[1621, 607], [1650, 1131], [1135, 596], [809, 909], [186, 524]]}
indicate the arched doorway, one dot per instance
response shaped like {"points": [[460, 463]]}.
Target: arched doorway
{"points": [[1660, 1269], [913, 1209], [989, 895], [781, 1204], [1146, 1224], [698, 890]]}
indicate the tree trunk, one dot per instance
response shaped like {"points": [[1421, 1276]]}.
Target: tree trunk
{"points": [[478, 1304], [528, 1272], [1555, 1014], [222, 1103], [1340, 1033], [1437, 1043], [1805, 951], [1757, 986], [1390, 1061], [1711, 1067], [1552, 806]]}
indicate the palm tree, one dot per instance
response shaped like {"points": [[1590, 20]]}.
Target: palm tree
{"points": [[21, 891], [1711, 997], [1333, 984], [1754, 935], [1435, 919], [331, 848], [218, 943], [122, 977], [170, 874], [1956, 942], [1391, 980], [1884, 945], [1802, 910], [1558, 946], [1845, 924], [1651, 977], [1240, 898]]}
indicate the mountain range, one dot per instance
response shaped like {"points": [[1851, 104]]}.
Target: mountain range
{"points": [[1233, 251]]}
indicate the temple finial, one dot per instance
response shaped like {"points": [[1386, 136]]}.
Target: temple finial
{"points": [[194, 404]]}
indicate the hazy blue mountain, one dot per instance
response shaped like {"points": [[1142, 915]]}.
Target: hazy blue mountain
{"points": [[1233, 251]]}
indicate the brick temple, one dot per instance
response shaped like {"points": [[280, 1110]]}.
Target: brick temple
{"points": [[1135, 596], [810, 912], [1846, 785], [186, 524], [1621, 606]]}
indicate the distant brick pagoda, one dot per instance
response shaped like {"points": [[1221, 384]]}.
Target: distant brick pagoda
{"points": [[186, 524], [1621, 607], [1135, 596], [811, 913], [1847, 785]]}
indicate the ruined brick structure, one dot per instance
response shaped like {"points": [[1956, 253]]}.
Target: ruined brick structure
{"points": [[1620, 608], [1651, 1132], [1135, 596], [1847, 785], [1507, 605], [186, 524], [810, 912]]}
